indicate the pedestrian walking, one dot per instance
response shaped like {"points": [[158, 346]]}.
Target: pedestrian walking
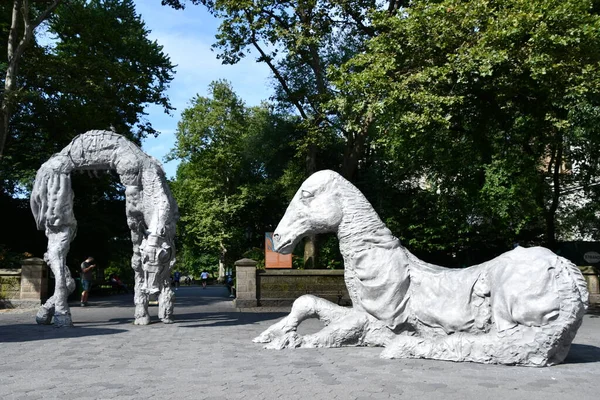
{"points": [[204, 278], [87, 277], [176, 279]]}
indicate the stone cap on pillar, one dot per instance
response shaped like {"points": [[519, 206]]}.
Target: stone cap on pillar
{"points": [[32, 261], [246, 262]]}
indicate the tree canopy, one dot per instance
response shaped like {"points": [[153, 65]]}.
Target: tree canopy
{"points": [[96, 69], [470, 126], [493, 105], [236, 166]]}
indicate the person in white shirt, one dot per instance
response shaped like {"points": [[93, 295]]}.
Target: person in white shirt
{"points": [[204, 278]]}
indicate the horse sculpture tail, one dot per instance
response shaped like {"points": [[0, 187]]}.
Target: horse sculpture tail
{"points": [[574, 296]]}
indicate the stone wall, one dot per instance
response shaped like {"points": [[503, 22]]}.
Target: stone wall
{"points": [[282, 287], [24, 287], [272, 288], [10, 286]]}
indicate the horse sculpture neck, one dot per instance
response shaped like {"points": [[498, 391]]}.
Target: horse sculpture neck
{"points": [[376, 266], [361, 228]]}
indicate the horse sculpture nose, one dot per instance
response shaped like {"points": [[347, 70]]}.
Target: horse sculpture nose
{"points": [[276, 236]]}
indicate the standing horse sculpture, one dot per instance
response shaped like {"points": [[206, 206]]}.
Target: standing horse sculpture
{"points": [[523, 307], [151, 215]]}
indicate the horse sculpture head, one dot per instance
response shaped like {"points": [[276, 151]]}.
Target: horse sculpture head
{"points": [[315, 208], [156, 256]]}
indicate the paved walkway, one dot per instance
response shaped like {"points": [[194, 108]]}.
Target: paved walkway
{"points": [[208, 354]]}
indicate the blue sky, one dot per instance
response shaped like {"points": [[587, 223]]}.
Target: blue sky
{"points": [[186, 37]]}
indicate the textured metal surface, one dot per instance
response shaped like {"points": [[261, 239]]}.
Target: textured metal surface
{"points": [[523, 307], [150, 209]]}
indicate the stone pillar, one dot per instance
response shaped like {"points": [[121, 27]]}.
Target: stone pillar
{"points": [[34, 280], [593, 284], [245, 286], [594, 288]]}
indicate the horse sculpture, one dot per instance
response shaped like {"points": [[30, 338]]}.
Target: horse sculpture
{"points": [[151, 215], [523, 307]]}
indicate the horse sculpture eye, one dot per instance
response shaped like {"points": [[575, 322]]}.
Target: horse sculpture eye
{"points": [[306, 194]]}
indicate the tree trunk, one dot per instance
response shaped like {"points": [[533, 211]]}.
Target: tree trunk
{"points": [[355, 148], [310, 242], [4, 117], [16, 47], [554, 168], [222, 262]]}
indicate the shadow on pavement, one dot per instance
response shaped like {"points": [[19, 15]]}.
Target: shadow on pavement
{"points": [[32, 332], [199, 319], [224, 319], [186, 296], [583, 353]]}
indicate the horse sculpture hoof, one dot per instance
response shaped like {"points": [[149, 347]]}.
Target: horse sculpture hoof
{"points": [[44, 316], [145, 320], [167, 321], [63, 320], [265, 337], [287, 341]]}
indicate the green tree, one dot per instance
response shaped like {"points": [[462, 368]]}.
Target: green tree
{"points": [[24, 19], [237, 164], [299, 41], [98, 72], [489, 105]]}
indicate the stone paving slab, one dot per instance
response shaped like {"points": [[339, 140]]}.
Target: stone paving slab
{"points": [[208, 354]]}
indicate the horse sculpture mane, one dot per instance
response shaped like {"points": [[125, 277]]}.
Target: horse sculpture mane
{"points": [[151, 214], [523, 307]]}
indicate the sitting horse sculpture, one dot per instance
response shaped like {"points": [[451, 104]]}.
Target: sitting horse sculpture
{"points": [[523, 307], [151, 215]]}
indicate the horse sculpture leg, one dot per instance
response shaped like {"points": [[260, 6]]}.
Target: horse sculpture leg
{"points": [[283, 333], [344, 326], [59, 239], [140, 298], [520, 346], [354, 329], [165, 302]]}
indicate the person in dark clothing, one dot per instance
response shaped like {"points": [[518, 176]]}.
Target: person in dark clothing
{"points": [[87, 276], [229, 284], [176, 279]]}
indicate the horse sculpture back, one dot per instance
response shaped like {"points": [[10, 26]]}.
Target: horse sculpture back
{"points": [[523, 307]]}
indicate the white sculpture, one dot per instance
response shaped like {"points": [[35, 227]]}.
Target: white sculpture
{"points": [[523, 307], [151, 215]]}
